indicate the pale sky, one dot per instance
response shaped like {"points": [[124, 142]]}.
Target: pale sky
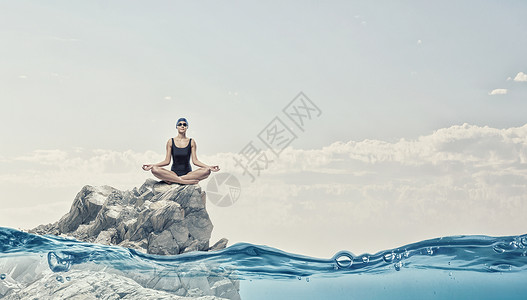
{"points": [[421, 132]]}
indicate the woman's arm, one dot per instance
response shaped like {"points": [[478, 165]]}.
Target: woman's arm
{"points": [[165, 162], [197, 162]]}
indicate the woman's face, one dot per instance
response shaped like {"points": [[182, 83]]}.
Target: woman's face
{"points": [[182, 126]]}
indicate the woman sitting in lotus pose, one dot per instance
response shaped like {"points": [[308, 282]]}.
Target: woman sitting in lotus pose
{"points": [[181, 171]]}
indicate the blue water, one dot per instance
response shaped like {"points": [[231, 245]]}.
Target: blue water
{"points": [[457, 267]]}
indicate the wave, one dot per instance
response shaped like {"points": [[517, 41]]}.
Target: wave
{"points": [[244, 261]]}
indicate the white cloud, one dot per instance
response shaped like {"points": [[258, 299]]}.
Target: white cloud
{"points": [[59, 168], [466, 145], [498, 92], [461, 144], [44, 157], [457, 180], [521, 77]]}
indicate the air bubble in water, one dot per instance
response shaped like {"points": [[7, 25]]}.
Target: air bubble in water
{"points": [[501, 267], [429, 251], [2, 276], [398, 266], [343, 259], [389, 257], [498, 249], [59, 279], [514, 245], [307, 279], [406, 253], [366, 259], [523, 240], [68, 278], [59, 262], [519, 244]]}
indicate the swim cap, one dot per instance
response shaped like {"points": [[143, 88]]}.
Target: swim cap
{"points": [[181, 119]]}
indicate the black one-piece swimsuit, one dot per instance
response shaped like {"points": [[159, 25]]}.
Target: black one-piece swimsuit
{"points": [[181, 159]]}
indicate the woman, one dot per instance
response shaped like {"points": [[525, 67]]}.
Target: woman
{"points": [[180, 149]]}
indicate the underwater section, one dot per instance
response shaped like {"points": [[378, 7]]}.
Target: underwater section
{"points": [[479, 267]]}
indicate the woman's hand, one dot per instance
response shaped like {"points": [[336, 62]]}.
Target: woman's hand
{"points": [[147, 167], [214, 168]]}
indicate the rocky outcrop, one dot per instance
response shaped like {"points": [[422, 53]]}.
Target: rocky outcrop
{"points": [[96, 285], [155, 218]]}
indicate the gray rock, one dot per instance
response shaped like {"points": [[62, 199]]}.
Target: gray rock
{"points": [[191, 246], [172, 217], [163, 243], [161, 187], [165, 215], [225, 288], [147, 186], [93, 285], [85, 207], [156, 218], [221, 244], [180, 233], [106, 237]]}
